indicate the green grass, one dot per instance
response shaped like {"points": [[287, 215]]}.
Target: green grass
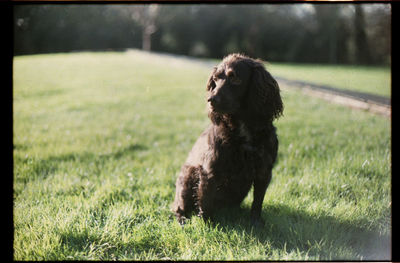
{"points": [[368, 79], [99, 139]]}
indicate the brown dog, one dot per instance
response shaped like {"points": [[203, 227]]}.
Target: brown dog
{"points": [[240, 146]]}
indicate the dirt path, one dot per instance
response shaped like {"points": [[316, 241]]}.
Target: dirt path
{"points": [[354, 99]]}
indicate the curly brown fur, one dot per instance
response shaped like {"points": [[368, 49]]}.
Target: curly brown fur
{"points": [[239, 148]]}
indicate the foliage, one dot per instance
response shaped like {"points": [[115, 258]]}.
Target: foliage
{"points": [[279, 32], [99, 139]]}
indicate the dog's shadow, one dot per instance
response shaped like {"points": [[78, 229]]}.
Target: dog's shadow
{"points": [[317, 236]]}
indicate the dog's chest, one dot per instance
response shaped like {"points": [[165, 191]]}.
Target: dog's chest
{"points": [[245, 134], [238, 157], [236, 167], [245, 139]]}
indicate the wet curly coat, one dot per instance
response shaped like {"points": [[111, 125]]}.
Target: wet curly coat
{"points": [[239, 147]]}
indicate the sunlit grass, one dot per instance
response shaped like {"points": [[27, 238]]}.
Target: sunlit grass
{"points": [[99, 139], [369, 79]]}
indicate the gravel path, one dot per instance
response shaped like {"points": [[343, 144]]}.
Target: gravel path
{"points": [[348, 93], [354, 99]]}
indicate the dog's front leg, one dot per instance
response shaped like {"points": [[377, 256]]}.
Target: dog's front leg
{"points": [[260, 186], [186, 184], [206, 195]]}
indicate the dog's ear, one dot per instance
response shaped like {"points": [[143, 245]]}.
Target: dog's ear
{"points": [[210, 81], [264, 95]]}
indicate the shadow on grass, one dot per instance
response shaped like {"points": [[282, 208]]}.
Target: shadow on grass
{"points": [[322, 237], [89, 246]]}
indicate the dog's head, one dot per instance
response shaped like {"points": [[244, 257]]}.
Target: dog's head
{"points": [[240, 85]]}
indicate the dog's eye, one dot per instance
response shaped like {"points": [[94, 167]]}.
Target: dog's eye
{"points": [[214, 78], [235, 80]]}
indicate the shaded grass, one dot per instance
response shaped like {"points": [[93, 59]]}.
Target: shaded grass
{"points": [[99, 139]]}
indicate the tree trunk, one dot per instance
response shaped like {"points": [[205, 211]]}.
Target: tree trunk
{"points": [[362, 51], [146, 41]]}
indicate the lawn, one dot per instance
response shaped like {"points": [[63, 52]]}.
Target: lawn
{"points": [[368, 79], [99, 139]]}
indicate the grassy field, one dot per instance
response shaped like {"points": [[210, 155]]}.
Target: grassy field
{"points": [[99, 139], [374, 80]]}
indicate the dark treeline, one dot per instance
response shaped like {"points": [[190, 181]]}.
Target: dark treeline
{"points": [[318, 33]]}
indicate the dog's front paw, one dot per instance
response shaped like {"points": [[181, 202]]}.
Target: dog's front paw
{"points": [[180, 216], [181, 220]]}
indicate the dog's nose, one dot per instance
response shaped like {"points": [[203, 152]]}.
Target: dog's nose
{"points": [[213, 100]]}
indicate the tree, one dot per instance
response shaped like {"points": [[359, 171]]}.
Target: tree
{"points": [[311, 33], [362, 51], [146, 16]]}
